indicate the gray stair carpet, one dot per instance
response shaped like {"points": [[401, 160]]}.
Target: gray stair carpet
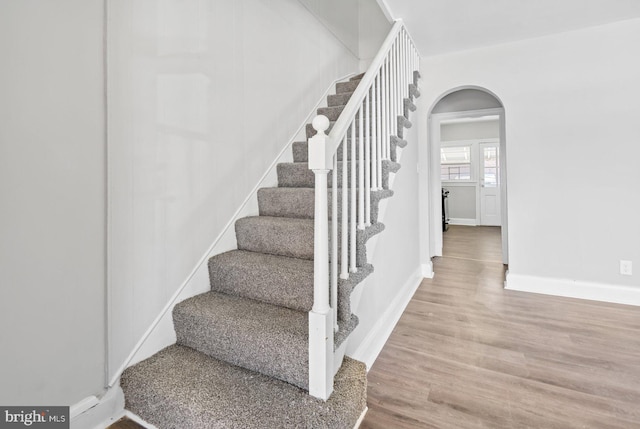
{"points": [[299, 202], [241, 357], [298, 175], [180, 388]]}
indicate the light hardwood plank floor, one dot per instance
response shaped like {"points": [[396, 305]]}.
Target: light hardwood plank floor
{"points": [[469, 354]]}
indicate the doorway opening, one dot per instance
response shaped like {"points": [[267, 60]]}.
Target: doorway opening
{"points": [[467, 148]]}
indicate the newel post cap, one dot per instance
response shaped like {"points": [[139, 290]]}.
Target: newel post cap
{"points": [[320, 123], [318, 145]]}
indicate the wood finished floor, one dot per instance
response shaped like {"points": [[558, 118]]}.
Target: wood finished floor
{"points": [[469, 354], [125, 423]]}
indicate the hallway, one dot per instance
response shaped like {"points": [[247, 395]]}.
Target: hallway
{"points": [[469, 354]]}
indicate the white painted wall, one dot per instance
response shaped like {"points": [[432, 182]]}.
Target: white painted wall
{"points": [[52, 199], [396, 260], [340, 17], [461, 201], [360, 25], [373, 28], [202, 97], [573, 176]]}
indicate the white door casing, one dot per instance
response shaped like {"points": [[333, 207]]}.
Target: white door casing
{"points": [[434, 183]]}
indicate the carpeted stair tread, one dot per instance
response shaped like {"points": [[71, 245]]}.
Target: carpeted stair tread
{"points": [[349, 86], [286, 202], [265, 338], [339, 99], [332, 113], [180, 388], [277, 280], [276, 235], [300, 202], [298, 175], [357, 77]]}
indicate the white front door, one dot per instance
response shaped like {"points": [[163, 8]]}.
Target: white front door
{"points": [[490, 184]]}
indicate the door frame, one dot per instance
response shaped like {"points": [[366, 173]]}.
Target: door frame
{"points": [[435, 228]]}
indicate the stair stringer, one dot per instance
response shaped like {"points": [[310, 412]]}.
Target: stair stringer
{"points": [[371, 244]]}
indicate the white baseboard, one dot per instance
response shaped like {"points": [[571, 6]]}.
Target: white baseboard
{"points": [[427, 270], [462, 221], [361, 418], [375, 340], [136, 418], [574, 289], [98, 413]]}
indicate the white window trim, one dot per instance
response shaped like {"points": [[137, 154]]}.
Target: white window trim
{"points": [[474, 144]]}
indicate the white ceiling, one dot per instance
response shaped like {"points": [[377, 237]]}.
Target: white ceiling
{"points": [[443, 26]]}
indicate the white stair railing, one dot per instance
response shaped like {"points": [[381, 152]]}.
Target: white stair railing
{"points": [[364, 130]]}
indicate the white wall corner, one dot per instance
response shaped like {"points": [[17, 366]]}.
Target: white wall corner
{"points": [[375, 340], [427, 270], [574, 289], [386, 10], [98, 413]]}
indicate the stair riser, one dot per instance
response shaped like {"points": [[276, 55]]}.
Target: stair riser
{"points": [[291, 239], [350, 86], [285, 282], [224, 333], [332, 113], [339, 99], [285, 285], [300, 203], [286, 241]]}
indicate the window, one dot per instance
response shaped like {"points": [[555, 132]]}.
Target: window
{"points": [[455, 163]]}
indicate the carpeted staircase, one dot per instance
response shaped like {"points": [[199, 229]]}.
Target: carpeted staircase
{"points": [[241, 358]]}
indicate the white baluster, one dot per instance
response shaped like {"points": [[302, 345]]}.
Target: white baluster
{"points": [[367, 158], [352, 185], [392, 87], [397, 94], [334, 242], [344, 259], [320, 318], [406, 64], [361, 169], [378, 148], [374, 142], [405, 67], [385, 94]]}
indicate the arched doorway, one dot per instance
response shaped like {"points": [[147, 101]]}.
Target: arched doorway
{"points": [[474, 165]]}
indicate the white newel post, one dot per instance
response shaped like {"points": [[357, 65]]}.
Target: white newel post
{"points": [[320, 316]]}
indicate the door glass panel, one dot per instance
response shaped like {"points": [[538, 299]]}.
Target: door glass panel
{"points": [[491, 167]]}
